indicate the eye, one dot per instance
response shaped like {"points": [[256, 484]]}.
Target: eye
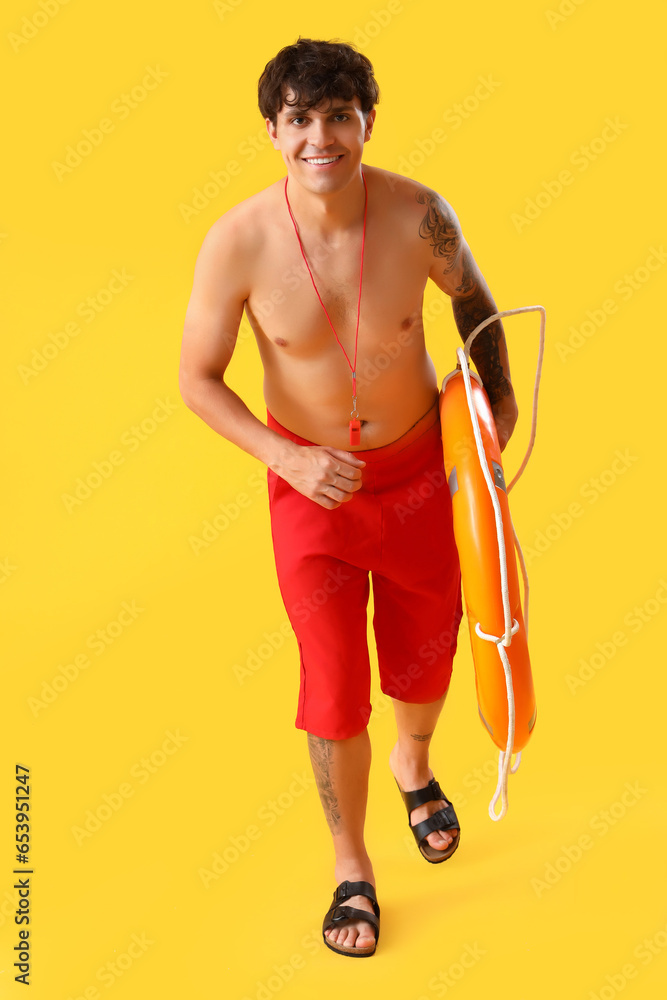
{"points": [[296, 121], [343, 116]]}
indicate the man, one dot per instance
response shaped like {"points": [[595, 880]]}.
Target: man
{"points": [[341, 254]]}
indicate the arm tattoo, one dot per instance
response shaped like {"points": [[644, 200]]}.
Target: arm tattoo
{"points": [[471, 303], [438, 229], [485, 351], [422, 737], [321, 752]]}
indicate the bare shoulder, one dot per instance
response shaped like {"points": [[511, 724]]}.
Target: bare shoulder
{"points": [[421, 211], [429, 223], [404, 194], [226, 263], [240, 229]]}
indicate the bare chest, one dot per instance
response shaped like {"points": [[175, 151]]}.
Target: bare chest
{"points": [[288, 304]]}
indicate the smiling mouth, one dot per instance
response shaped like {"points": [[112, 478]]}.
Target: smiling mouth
{"points": [[319, 161]]}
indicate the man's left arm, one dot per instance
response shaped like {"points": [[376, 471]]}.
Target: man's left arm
{"points": [[455, 271]]}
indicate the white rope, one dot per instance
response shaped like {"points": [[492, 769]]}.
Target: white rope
{"points": [[538, 371], [524, 574], [504, 757], [507, 611], [511, 625]]}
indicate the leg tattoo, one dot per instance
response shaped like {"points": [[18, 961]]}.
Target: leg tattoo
{"points": [[424, 737], [321, 752]]}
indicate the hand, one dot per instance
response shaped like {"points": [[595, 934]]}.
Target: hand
{"points": [[329, 476], [505, 413]]}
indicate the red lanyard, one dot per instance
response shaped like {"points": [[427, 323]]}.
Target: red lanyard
{"points": [[355, 423]]}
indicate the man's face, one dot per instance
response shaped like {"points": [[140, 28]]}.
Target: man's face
{"points": [[322, 146]]}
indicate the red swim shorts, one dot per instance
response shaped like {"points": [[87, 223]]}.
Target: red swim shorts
{"points": [[398, 527]]}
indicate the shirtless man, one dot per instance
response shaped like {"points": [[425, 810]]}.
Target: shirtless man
{"points": [[318, 100]]}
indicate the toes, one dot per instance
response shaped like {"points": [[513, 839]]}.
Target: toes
{"points": [[339, 936], [441, 839], [365, 939], [342, 936], [352, 935], [438, 839]]}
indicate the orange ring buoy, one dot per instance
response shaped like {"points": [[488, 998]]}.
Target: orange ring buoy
{"points": [[477, 543]]}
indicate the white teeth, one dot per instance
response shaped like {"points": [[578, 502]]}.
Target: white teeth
{"points": [[328, 159]]}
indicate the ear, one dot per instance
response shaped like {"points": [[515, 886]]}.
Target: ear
{"points": [[273, 133], [369, 125]]}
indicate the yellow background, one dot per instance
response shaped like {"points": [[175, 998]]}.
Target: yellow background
{"points": [[177, 667]]}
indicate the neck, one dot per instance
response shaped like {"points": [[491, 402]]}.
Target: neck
{"points": [[328, 212]]}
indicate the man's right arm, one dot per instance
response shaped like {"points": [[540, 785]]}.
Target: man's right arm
{"points": [[219, 290], [220, 287]]}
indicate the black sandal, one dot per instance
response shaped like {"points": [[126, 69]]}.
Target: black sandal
{"points": [[443, 819], [337, 914]]}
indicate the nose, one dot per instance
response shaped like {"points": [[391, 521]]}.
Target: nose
{"points": [[320, 134]]}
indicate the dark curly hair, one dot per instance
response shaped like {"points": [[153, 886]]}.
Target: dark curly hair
{"points": [[316, 71]]}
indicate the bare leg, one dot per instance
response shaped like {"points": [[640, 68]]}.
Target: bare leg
{"points": [[409, 760], [341, 769]]}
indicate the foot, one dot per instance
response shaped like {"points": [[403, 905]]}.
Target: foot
{"points": [[409, 777], [355, 933]]}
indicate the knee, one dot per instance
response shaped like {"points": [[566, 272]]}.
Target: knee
{"points": [[341, 734]]}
